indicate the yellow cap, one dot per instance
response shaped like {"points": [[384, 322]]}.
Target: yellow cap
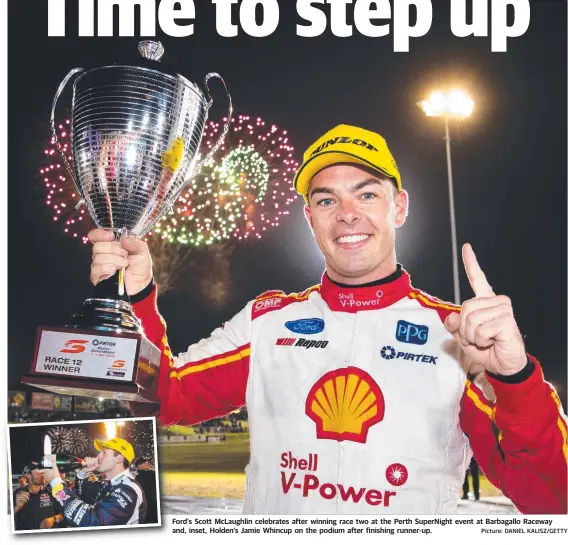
{"points": [[122, 446], [346, 144]]}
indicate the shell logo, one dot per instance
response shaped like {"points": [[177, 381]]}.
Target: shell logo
{"points": [[344, 404]]}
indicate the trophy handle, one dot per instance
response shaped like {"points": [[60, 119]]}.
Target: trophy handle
{"points": [[227, 123], [54, 132]]}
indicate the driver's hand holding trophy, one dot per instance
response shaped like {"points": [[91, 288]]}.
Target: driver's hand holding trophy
{"points": [[136, 130]]}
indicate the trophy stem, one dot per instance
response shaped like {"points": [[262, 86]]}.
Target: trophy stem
{"points": [[121, 288], [121, 282]]}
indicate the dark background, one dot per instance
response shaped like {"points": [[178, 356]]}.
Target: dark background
{"points": [[509, 162]]}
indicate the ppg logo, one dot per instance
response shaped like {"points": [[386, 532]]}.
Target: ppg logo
{"points": [[411, 333]]}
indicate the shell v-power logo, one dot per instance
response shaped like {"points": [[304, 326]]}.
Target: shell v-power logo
{"points": [[344, 404]]}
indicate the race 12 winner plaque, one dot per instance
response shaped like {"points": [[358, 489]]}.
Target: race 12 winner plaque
{"points": [[98, 364]]}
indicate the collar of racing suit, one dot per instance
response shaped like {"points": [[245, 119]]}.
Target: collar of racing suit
{"points": [[117, 478], [379, 294]]}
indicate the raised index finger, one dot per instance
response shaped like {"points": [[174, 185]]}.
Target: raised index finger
{"points": [[475, 275]]}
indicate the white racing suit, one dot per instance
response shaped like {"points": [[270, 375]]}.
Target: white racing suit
{"points": [[120, 501], [360, 402]]}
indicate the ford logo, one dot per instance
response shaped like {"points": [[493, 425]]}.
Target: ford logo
{"points": [[308, 326]]}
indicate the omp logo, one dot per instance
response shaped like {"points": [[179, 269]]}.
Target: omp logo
{"points": [[344, 404], [268, 303], [411, 333], [306, 326], [75, 346], [118, 364]]}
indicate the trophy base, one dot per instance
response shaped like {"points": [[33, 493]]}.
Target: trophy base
{"points": [[103, 314], [122, 392], [110, 364]]}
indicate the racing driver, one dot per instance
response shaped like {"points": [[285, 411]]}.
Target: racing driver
{"points": [[364, 394], [120, 499]]}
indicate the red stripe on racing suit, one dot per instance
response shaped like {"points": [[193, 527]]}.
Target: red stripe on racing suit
{"points": [[207, 381]]}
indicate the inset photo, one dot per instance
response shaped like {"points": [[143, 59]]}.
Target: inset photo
{"points": [[86, 474]]}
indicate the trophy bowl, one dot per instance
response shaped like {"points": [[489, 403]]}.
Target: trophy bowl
{"points": [[135, 138]]}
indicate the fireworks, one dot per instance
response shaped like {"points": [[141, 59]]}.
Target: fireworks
{"points": [[240, 194], [60, 441], [140, 434], [81, 442], [72, 441], [243, 191], [61, 193]]}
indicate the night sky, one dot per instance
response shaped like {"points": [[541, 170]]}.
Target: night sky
{"points": [[509, 163], [26, 442]]}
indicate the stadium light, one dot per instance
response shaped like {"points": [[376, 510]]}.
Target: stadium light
{"points": [[454, 104]]}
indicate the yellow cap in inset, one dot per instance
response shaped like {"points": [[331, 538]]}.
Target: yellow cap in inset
{"points": [[122, 446]]}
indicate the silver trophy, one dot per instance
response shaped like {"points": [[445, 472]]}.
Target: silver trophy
{"points": [[135, 139]]}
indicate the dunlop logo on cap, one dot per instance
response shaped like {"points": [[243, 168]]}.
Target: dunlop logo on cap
{"points": [[344, 404]]}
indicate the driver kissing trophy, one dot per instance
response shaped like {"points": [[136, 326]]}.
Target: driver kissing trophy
{"points": [[135, 137]]}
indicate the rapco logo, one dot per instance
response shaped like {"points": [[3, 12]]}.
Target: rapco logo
{"points": [[344, 404], [118, 364], [304, 343], [343, 140], [74, 346], [268, 303]]}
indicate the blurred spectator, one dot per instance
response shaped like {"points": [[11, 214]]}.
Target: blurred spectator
{"points": [[34, 507], [473, 470], [146, 476]]}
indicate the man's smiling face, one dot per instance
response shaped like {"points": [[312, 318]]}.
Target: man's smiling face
{"points": [[354, 215]]}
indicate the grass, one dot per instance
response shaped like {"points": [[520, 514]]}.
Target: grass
{"points": [[210, 485], [216, 470], [230, 456], [486, 488]]}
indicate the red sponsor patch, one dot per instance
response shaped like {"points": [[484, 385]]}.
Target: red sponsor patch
{"points": [[396, 474], [286, 341]]}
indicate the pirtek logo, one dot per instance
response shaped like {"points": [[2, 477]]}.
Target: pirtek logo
{"points": [[343, 140], [304, 343], [74, 346]]}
